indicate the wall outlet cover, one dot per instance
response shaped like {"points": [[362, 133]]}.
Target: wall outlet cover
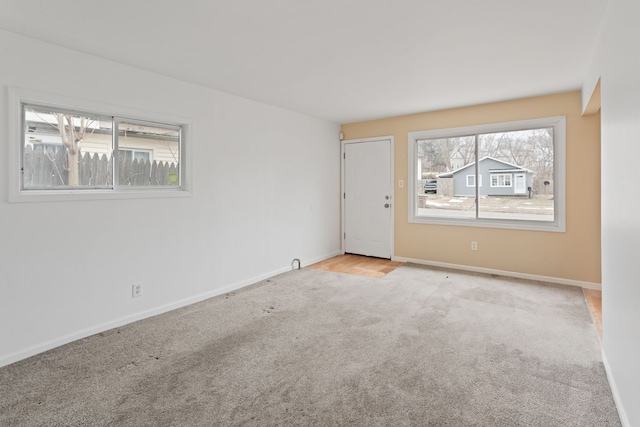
{"points": [[136, 290]]}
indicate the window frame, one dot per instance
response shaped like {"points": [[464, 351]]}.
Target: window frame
{"points": [[504, 179], [474, 180], [19, 97], [558, 123]]}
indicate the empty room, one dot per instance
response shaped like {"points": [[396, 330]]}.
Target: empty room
{"points": [[319, 213]]}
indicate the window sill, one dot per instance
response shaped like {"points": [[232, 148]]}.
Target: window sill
{"points": [[79, 195], [553, 227]]}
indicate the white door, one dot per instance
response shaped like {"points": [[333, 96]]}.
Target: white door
{"points": [[520, 186], [367, 198]]}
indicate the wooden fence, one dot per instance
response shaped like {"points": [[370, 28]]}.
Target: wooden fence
{"points": [[47, 167]]}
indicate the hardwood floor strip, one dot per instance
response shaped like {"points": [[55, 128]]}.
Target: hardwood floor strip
{"points": [[357, 265], [594, 300]]}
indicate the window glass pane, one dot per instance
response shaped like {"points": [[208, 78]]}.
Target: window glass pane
{"points": [[148, 155], [519, 166], [438, 164], [63, 150]]}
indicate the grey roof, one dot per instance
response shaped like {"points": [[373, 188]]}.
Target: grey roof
{"points": [[513, 168], [509, 170]]}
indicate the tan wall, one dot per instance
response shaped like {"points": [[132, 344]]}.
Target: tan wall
{"points": [[573, 255]]}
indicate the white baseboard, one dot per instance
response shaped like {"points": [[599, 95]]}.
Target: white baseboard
{"points": [[624, 420], [121, 321], [558, 280]]}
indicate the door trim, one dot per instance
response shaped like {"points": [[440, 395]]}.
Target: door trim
{"points": [[343, 213]]}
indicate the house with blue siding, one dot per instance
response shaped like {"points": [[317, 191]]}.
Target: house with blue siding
{"points": [[495, 178]]}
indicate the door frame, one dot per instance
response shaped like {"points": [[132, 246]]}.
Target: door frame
{"points": [[343, 212]]}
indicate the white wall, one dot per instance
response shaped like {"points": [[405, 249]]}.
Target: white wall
{"points": [[266, 190], [619, 61]]}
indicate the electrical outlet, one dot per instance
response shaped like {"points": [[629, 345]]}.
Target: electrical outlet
{"points": [[474, 246], [136, 290]]}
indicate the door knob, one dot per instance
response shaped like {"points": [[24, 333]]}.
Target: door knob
{"points": [[386, 205]]}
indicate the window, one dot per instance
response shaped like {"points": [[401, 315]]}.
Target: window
{"points": [[70, 153], [56, 144], [501, 180], [471, 181], [523, 161]]}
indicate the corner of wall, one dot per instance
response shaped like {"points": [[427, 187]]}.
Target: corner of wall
{"points": [[624, 420], [591, 101], [591, 83]]}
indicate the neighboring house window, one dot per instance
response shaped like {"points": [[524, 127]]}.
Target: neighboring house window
{"points": [[69, 152], [471, 181], [517, 158], [139, 155], [501, 180]]}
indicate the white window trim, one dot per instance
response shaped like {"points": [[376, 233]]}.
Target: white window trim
{"points": [[469, 177], [559, 222], [19, 96]]}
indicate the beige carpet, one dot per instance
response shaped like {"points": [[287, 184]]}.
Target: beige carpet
{"points": [[421, 347]]}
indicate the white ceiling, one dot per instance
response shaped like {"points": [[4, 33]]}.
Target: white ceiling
{"points": [[341, 60]]}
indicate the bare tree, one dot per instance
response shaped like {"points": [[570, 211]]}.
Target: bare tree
{"points": [[72, 130], [437, 154]]}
